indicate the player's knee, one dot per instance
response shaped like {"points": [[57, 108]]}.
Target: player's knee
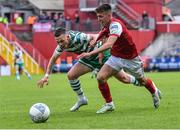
{"points": [[71, 76], [100, 78]]}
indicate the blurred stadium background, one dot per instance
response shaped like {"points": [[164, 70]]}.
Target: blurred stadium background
{"points": [[154, 25]]}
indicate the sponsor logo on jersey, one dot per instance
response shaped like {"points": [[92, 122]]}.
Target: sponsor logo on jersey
{"points": [[114, 27]]}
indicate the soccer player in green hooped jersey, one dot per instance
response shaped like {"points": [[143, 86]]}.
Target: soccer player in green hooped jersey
{"points": [[78, 42], [19, 63]]}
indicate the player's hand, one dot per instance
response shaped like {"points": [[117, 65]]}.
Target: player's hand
{"points": [[84, 54], [43, 81], [101, 56]]}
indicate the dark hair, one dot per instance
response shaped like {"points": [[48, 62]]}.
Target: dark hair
{"points": [[103, 8], [59, 31]]}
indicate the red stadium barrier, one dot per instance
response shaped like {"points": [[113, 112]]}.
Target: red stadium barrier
{"points": [[168, 27], [6, 32]]}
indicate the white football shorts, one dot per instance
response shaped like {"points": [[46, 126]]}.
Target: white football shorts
{"points": [[133, 66]]}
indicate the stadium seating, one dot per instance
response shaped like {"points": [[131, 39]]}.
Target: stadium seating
{"points": [[64, 65]]}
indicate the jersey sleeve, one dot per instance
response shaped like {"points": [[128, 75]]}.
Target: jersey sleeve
{"points": [[82, 38], [58, 50], [115, 28]]}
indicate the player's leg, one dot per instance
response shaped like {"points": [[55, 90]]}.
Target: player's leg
{"points": [[17, 72], [126, 78], [26, 72], [102, 77], [105, 91], [93, 62], [151, 87], [76, 71], [135, 67]]}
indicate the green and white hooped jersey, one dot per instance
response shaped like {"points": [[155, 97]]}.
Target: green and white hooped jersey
{"points": [[19, 57], [79, 42]]}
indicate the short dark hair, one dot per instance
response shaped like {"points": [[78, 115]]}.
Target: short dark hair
{"points": [[59, 31], [103, 8]]}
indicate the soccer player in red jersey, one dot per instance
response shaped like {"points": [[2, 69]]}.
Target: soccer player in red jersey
{"points": [[124, 55]]}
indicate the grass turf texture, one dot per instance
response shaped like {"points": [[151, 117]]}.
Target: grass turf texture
{"points": [[134, 108]]}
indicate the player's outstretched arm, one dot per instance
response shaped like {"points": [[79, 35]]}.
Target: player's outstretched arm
{"points": [[111, 40], [45, 79]]}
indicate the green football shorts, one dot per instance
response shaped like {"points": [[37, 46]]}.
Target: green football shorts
{"points": [[20, 65], [93, 61]]}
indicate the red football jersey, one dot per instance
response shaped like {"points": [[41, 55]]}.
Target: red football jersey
{"points": [[124, 47]]}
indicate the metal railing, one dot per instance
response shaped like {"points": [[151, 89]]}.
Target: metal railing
{"points": [[85, 4], [31, 51], [6, 50], [131, 15]]}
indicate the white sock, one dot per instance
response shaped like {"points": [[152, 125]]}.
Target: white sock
{"points": [[110, 103], [81, 97], [132, 79]]}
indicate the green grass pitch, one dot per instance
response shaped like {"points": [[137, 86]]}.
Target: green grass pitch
{"points": [[134, 108]]}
